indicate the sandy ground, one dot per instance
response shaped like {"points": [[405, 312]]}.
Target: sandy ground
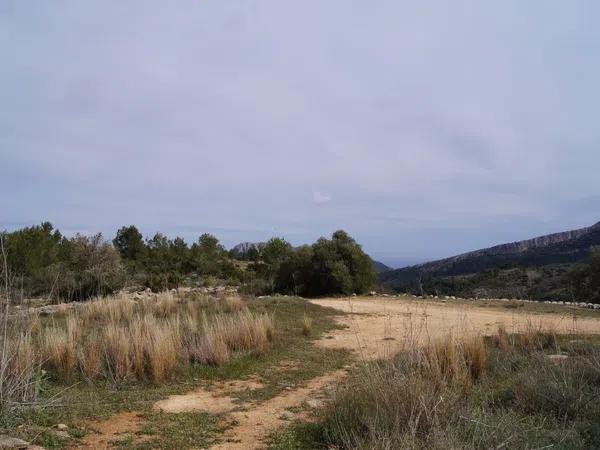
{"points": [[381, 326]]}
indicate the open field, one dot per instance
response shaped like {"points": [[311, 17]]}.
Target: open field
{"points": [[258, 391], [378, 327]]}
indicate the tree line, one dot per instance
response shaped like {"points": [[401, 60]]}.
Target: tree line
{"points": [[41, 261]]}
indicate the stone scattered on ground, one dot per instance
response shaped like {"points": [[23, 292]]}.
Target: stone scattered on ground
{"points": [[7, 442], [557, 358]]}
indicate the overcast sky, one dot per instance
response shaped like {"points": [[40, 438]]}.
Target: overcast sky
{"points": [[424, 129]]}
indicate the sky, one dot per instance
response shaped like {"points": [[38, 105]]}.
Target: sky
{"points": [[424, 129]]}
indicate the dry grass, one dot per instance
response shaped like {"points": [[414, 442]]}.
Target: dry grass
{"points": [[120, 340], [117, 351], [165, 305], [18, 365], [60, 352], [89, 357], [306, 325], [211, 349], [232, 304], [421, 397], [163, 347], [240, 332]]}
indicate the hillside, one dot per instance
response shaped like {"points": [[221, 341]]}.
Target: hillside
{"points": [[380, 267], [555, 253]]}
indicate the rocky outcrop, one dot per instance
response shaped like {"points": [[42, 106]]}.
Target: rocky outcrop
{"points": [[243, 247]]}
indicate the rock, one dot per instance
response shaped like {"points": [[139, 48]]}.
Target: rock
{"points": [[62, 434], [314, 403], [7, 442], [557, 358]]}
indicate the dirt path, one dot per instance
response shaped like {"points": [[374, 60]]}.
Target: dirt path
{"points": [[248, 424], [382, 326], [252, 425]]}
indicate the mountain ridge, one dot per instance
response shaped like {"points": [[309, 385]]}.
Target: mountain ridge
{"points": [[565, 247]]}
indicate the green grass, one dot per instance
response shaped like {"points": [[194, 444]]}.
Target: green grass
{"points": [[76, 404]]}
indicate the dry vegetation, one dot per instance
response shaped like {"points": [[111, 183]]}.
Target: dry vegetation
{"points": [[117, 339], [465, 391]]}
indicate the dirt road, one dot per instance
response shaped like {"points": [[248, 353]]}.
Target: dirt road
{"points": [[381, 326]]}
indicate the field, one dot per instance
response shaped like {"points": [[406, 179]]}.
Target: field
{"points": [[184, 370]]}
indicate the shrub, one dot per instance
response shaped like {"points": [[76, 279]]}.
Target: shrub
{"points": [[330, 266]]}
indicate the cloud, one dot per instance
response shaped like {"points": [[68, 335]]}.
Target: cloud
{"points": [[474, 118], [319, 198]]}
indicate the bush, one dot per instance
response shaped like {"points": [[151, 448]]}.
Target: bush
{"points": [[43, 262], [330, 266], [91, 267]]}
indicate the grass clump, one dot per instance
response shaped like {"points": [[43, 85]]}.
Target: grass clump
{"points": [[118, 340], [306, 325]]}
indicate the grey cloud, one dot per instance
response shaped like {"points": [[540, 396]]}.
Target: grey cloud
{"points": [[431, 127]]}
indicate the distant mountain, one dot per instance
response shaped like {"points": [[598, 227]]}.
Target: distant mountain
{"points": [[554, 249], [380, 267], [243, 247]]}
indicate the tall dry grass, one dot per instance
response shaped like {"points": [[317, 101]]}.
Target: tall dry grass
{"points": [[60, 352], [306, 325], [19, 358], [420, 398], [119, 340]]}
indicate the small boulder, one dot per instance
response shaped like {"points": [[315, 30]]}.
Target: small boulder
{"points": [[7, 442], [314, 404], [557, 359]]}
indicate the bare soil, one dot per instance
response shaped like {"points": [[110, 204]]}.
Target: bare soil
{"points": [[250, 426], [110, 430], [381, 326]]}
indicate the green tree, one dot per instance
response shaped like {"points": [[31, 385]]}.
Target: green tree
{"points": [[330, 266], [180, 256], [207, 255], [31, 249], [274, 253], [585, 278], [130, 243]]}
